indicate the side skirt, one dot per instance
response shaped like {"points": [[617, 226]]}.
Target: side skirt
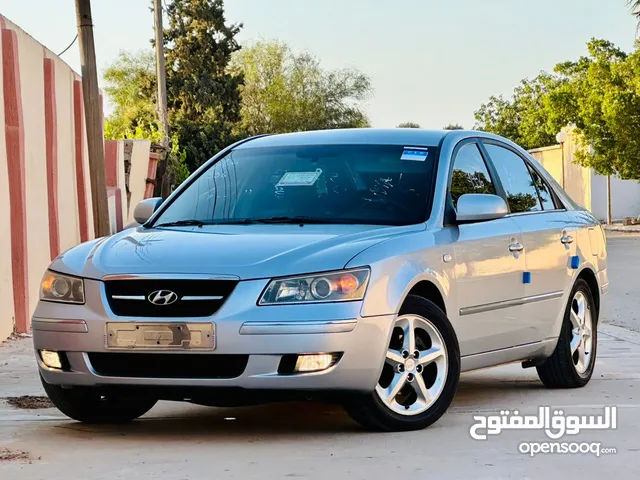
{"points": [[503, 356]]}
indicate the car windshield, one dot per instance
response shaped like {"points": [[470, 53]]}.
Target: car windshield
{"points": [[359, 184]]}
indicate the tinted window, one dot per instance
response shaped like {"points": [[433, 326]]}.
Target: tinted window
{"points": [[516, 180], [544, 191], [470, 174], [368, 184]]}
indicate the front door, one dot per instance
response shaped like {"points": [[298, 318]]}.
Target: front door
{"points": [[547, 238], [489, 266]]}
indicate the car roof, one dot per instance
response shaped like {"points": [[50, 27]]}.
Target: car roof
{"points": [[351, 136]]}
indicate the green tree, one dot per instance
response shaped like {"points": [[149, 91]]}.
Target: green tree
{"points": [[599, 94], [130, 83], [521, 202], [203, 96], [285, 91], [605, 89], [453, 126], [464, 182], [524, 117], [499, 116], [408, 125]]}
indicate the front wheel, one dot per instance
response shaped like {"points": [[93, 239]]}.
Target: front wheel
{"points": [[90, 405], [420, 375]]}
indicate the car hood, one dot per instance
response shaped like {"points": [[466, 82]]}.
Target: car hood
{"points": [[244, 251]]}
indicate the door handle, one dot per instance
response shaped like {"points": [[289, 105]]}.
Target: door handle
{"points": [[566, 239], [516, 247]]}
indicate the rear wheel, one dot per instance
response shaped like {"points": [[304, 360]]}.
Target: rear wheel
{"points": [[571, 364], [420, 375], [91, 405]]}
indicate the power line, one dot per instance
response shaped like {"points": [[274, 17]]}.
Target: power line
{"points": [[70, 45]]}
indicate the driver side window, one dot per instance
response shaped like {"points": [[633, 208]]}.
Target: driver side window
{"points": [[470, 174]]}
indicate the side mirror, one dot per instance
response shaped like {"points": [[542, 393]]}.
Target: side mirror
{"points": [[145, 209], [480, 207]]}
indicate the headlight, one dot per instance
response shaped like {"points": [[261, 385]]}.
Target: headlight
{"points": [[56, 287], [339, 286]]}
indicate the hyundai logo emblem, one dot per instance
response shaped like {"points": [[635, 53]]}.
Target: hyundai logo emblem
{"points": [[163, 297]]}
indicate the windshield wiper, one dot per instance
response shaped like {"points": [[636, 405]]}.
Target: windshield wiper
{"points": [[182, 223], [298, 220]]}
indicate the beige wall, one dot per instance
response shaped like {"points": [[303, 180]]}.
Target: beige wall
{"points": [[584, 186], [551, 159], [31, 60], [138, 173], [67, 189], [29, 57], [6, 291], [577, 179], [122, 182]]}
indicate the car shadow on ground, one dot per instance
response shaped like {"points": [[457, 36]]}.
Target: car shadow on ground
{"points": [[176, 420]]}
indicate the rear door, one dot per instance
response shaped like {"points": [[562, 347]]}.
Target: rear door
{"points": [[547, 237], [488, 275]]}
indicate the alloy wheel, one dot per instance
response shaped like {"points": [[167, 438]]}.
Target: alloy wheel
{"points": [[415, 369], [581, 335]]}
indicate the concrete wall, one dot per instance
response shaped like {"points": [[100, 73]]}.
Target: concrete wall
{"points": [[625, 197], [67, 192], [45, 187], [7, 311], [577, 179], [584, 186], [138, 174], [551, 159], [31, 60], [115, 179]]}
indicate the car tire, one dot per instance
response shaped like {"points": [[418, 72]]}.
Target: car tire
{"points": [[90, 405], [371, 411], [563, 368]]}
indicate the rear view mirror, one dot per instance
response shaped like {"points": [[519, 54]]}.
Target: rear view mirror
{"points": [[145, 209], [480, 207]]}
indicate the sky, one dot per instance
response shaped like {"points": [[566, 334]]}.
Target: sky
{"points": [[433, 62]]}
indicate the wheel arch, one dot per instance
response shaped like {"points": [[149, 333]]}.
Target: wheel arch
{"points": [[589, 276], [386, 297], [428, 290]]}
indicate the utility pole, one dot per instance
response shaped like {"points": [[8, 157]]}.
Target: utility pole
{"points": [[161, 76], [93, 120], [609, 213]]}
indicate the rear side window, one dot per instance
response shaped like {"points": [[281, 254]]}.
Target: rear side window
{"points": [[470, 173], [544, 191], [516, 180]]}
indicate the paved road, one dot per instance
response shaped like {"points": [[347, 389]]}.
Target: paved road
{"points": [[622, 307], [178, 441]]}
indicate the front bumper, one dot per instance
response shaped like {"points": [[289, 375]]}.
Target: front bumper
{"points": [[265, 334]]}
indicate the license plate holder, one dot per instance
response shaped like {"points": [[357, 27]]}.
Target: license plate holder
{"points": [[160, 336]]}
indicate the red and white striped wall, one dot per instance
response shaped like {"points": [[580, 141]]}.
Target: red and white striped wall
{"points": [[45, 190]]}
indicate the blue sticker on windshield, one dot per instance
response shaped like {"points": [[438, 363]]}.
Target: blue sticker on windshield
{"points": [[414, 155]]}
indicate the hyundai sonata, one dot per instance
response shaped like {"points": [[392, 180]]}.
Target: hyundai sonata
{"points": [[370, 266]]}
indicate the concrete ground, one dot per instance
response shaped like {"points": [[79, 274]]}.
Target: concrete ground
{"points": [[181, 441]]}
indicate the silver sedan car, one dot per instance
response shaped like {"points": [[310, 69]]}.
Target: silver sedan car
{"points": [[369, 267]]}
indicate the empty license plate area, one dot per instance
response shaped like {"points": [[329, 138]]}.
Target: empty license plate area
{"points": [[160, 336]]}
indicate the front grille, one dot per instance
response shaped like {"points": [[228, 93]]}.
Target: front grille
{"points": [[194, 298], [165, 365]]}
